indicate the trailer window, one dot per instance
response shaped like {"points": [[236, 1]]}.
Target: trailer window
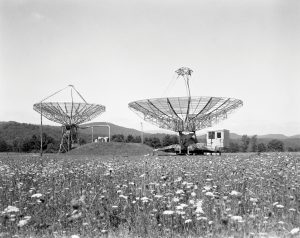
{"points": [[219, 135], [211, 135]]}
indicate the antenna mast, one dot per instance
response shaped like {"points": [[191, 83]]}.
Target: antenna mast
{"points": [[185, 73]]}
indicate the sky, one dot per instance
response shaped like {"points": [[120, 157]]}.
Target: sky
{"points": [[115, 52]]}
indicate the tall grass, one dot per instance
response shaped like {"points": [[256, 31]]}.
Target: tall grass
{"points": [[240, 195]]}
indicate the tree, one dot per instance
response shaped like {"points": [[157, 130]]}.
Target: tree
{"points": [[290, 149], [169, 140], [82, 141], [17, 145], [130, 139], [118, 138], [275, 145], [152, 141], [261, 147], [35, 142], [174, 139], [51, 148], [166, 141], [26, 145], [233, 147], [245, 143], [252, 147], [137, 139], [156, 142], [3, 146]]}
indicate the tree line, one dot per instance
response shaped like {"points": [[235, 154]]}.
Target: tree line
{"points": [[152, 141], [30, 144], [51, 145], [252, 144]]}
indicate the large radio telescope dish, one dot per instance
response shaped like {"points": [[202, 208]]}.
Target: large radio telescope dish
{"points": [[69, 114], [185, 114]]}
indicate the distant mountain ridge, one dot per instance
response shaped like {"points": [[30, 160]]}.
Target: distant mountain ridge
{"points": [[11, 130]]}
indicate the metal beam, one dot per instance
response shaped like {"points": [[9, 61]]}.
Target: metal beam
{"points": [[170, 105], [203, 108]]}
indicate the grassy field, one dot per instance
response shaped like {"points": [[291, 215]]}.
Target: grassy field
{"points": [[233, 195]]}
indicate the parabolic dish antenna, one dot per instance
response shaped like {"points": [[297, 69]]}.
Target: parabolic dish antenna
{"points": [[69, 114], [185, 114]]}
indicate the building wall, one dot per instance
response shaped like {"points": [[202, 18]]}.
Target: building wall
{"points": [[217, 139]]}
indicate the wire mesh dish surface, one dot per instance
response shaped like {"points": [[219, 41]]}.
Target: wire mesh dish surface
{"points": [[69, 113], [185, 113]]}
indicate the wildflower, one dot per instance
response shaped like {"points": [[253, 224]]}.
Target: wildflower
{"points": [[188, 221], [207, 188], [23, 222], [168, 212], [281, 222], [122, 196], [75, 215], [209, 194], [175, 199], [158, 196], [253, 200], [75, 236], [144, 199], [181, 206], [199, 207], [180, 212], [10, 209], [235, 193], [179, 191], [236, 218], [37, 195], [193, 194], [295, 231], [279, 206]]}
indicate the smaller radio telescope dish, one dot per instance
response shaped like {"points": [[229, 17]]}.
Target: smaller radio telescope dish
{"points": [[185, 114], [69, 114]]}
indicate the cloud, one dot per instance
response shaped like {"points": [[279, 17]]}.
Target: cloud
{"points": [[38, 16]]}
